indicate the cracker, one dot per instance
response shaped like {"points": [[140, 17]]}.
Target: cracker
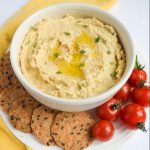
{"points": [[42, 120], [5, 59], [21, 112], [71, 131], [7, 76], [9, 95]]}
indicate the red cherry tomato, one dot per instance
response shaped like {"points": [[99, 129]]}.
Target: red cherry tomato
{"points": [[141, 96], [134, 116], [103, 130], [124, 92], [137, 76], [109, 110]]}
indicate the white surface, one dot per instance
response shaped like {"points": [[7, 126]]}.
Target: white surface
{"points": [[83, 10], [135, 15]]}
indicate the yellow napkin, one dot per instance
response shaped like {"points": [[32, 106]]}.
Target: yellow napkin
{"points": [[7, 139]]}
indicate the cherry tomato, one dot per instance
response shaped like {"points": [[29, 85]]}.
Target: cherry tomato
{"points": [[124, 92], [103, 130], [141, 96], [137, 76], [134, 116], [109, 110]]}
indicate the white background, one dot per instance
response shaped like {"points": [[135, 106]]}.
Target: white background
{"points": [[135, 16]]}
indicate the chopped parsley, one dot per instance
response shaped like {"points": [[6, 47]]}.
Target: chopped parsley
{"points": [[108, 52], [51, 38], [80, 87], [97, 40], [27, 42], [85, 26], [35, 44], [111, 63], [67, 33], [33, 29], [58, 72], [113, 74], [82, 51], [78, 21], [56, 55]]}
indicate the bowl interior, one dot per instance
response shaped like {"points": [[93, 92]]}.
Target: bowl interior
{"points": [[76, 9]]}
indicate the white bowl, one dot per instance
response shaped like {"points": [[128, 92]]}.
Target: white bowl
{"points": [[58, 11]]}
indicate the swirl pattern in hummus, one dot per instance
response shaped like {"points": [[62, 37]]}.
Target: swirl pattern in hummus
{"points": [[72, 57]]}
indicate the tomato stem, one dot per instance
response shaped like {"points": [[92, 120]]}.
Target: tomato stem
{"points": [[116, 106], [141, 84], [138, 65], [141, 126]]}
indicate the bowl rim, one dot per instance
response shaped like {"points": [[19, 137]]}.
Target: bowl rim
{"points": [[88, 100]]}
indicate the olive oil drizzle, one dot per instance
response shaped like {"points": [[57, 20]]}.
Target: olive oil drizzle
{"points": [[72, 68]]}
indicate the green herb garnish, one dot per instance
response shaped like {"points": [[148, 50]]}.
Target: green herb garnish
{"points": [[113, 74], [85, 26], [82, 51], [51, 38], [80, 87], [56, 55], [34, 45], [108, 52], [67, 33], [33, 28], [78, 21], [97, 40], [27, 42], [111, 63], [58, 72]]}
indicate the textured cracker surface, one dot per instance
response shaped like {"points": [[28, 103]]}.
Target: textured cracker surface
{"points": [[21, 113], [42, 120], [71, 131]]}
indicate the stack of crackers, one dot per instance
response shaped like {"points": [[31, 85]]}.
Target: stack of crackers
{"points": [[71, 131]]}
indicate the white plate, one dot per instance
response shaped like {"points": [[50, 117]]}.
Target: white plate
{"points": [[122, 134]]}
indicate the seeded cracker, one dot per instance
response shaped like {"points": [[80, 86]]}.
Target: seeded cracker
{"points": [[21, 113], [9, 95], [71, 131], [7, 76], [42, 120]]}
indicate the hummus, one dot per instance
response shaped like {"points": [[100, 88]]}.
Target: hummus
{"points": [[72, 57]]}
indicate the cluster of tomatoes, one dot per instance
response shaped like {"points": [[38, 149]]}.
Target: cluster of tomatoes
{"points": [[132, 114]]}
